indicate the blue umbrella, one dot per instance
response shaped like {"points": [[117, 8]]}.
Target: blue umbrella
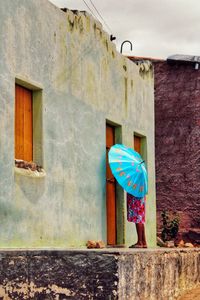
{"points": [[129, 169]]}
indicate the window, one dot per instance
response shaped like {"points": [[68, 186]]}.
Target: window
{"points": [[23, 123], [140, 145], [137, 143]]}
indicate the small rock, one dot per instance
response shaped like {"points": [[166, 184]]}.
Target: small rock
{"points": [[181, 244], [39, 168], [33, 166], [189, 245], [100, 244], [19, 163], [91, 244], [170, 244], [160, 242]]}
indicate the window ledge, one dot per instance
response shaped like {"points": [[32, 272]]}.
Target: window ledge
{"points": [[30, 173]]}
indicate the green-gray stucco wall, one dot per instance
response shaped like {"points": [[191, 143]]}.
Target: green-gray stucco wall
{"points": [[80, 82]]}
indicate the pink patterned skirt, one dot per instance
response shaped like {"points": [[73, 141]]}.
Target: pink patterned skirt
{"points": [[135, 209]]}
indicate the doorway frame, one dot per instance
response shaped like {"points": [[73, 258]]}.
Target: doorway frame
{"points": [[119, 192]]}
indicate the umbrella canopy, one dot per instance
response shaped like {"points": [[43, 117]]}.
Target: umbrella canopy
{"points": [[129, 169]]}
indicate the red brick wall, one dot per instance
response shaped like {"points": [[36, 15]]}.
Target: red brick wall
{"points": [[177, 114]]}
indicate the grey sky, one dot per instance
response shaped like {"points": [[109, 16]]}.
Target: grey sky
{"points": [[157, 28]]}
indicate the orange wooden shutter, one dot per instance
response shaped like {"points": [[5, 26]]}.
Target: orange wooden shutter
{"points": [[23, 124], [137, 144], [110, 191]]}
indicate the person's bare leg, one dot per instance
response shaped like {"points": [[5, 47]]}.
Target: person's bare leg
{"points": [[139, 229], [144, 237]]}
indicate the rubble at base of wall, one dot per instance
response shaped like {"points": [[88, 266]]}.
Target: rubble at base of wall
{"points": [[158, 274]]}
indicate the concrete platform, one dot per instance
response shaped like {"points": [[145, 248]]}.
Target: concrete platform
{"points": [[132, 274], [191, 295]]}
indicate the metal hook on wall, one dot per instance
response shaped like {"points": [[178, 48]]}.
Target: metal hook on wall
{"points": [[112, 37], [124, 43]]}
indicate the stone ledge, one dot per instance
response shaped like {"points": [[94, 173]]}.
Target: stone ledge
{"points": [[30, 173], [156, 274], [116, 251]]}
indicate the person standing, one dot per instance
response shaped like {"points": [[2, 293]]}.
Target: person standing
{"points": [[136, 214]]}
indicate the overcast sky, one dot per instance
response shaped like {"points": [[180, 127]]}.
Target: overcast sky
{"points": [[156, 28]]}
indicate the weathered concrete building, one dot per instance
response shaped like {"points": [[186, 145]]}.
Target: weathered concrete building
{"points": [[67, 95]]}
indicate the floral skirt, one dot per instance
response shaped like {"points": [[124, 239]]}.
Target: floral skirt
{"points": [[135, 209]]}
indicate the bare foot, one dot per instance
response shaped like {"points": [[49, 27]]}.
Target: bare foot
{"points": [[137, 245]]}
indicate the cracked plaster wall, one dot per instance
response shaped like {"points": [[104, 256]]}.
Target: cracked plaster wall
{"points": [[83, 81]]}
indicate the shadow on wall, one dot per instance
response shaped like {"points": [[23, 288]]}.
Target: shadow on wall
{"points": [[32, 188]]}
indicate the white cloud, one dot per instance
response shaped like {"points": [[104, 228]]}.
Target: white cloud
{"points": [[156, 28]]}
